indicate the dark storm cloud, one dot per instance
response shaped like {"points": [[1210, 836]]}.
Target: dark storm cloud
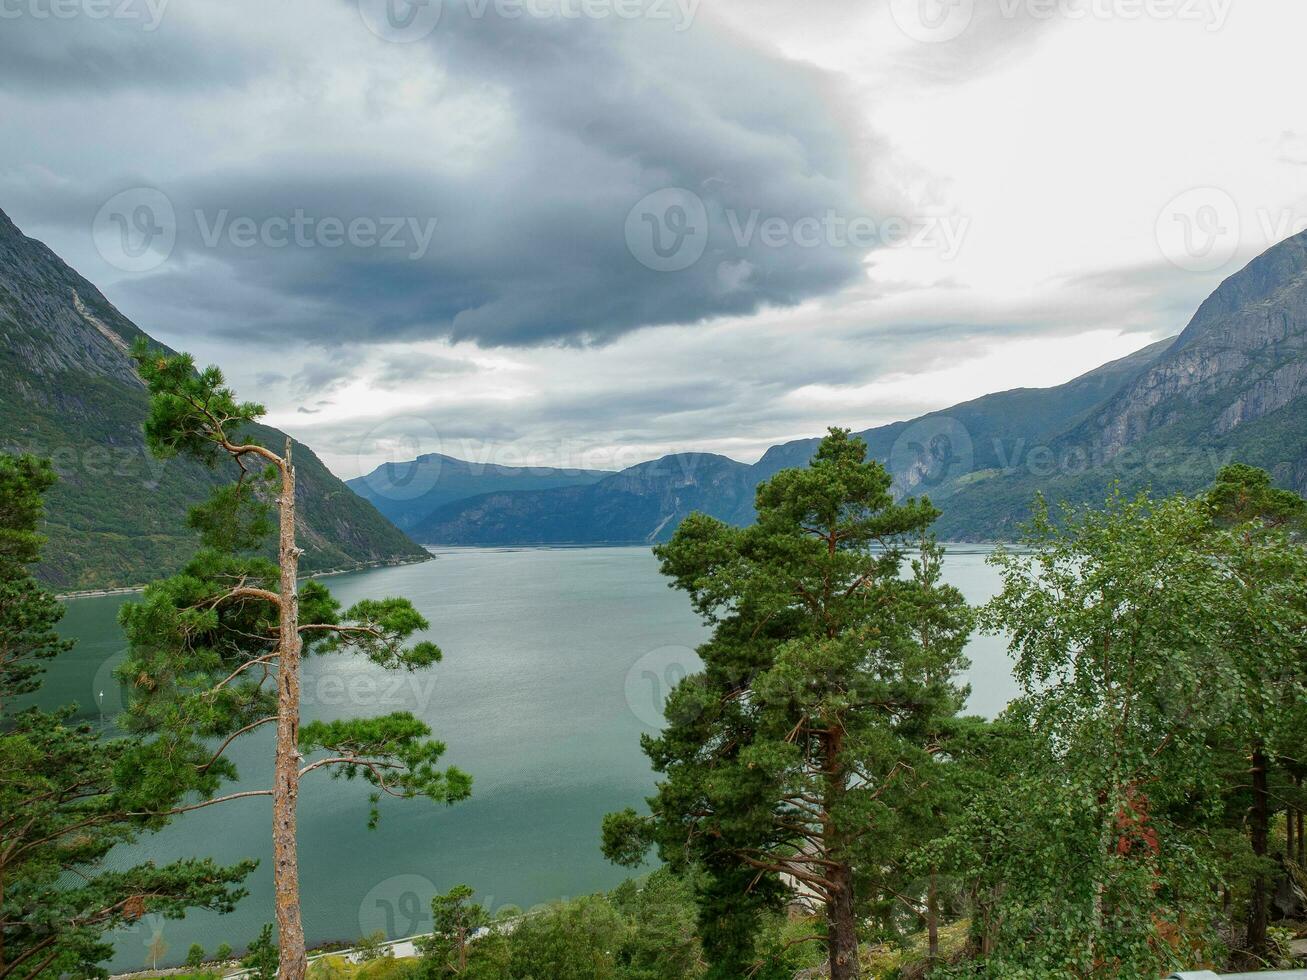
{"points": [[399, 369], [322, 377], [530, 244], [133, 46]]}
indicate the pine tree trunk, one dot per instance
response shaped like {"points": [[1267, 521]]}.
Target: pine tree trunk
{"points": [[285, 789], [1302, 840], [1259, 825], [1290, 844], [842, 927], [1297, 817], [932, 920]]}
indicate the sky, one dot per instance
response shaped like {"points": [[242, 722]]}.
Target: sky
{"points": [[587, 233]]}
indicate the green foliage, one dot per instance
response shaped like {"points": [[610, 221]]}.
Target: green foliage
{"points": [[261, 957], [662, 941], [236, 517], [450, 950], [392, 753], [802, 749], [644, 930], [24, 481], [373, 947], [63, 801], [209, 658], [578, 940], [203, 644], [188, 407], [195, 956], [28, 613], [1242, 494], [222, 953], [1098, 836], [117, 517]]}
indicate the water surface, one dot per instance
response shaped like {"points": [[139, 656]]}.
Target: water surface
{"points": [[556, 660]]}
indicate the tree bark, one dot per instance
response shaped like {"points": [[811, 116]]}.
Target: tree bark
{"points": [[1259, 825], [1290, 844], [842, 926], [293, 962], [841, 923], [1296, 815], [932, 920]]}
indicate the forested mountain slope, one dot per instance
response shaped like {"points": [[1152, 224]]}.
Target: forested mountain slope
{"points": [[69, 391]]}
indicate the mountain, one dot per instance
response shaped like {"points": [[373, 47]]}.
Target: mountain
{"points": [[408, 492], [117, 516], [989, 429], [646, 502], [1231, 386], [641, 504]]}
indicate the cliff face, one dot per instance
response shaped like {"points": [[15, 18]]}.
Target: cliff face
{"points": [[1243, 357], [117, 517]]}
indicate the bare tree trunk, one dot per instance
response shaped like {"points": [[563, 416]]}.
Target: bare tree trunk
{"points": [[1302, 839], [285, 788], [1290, 844], [1296, 816], [932, 919], [1259, 825], [842, 927], [841, 923]]}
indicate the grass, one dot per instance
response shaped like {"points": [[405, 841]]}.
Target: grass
{"points": [[908, 960]]}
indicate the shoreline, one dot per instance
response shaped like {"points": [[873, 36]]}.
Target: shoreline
{"points": [[359, 567], [433, 552]]}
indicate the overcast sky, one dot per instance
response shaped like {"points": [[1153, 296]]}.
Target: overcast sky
{"points": [[590, 232]]}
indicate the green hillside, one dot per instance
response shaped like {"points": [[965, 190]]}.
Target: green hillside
{"points": [[117, 516]]}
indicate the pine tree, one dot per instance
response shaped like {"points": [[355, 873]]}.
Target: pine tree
{"points": [[61, 809], [216, 651], [801, 757]]}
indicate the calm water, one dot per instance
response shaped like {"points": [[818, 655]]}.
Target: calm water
{"points": [[555, 662]]}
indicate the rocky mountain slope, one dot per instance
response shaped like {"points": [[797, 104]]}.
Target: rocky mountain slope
{"points": [[1231, 386], [68, 391]]}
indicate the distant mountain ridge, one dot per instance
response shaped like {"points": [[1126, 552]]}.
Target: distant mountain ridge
{"points": [[641, 504], [409, 492], [117, 517], [1231, 386]]}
